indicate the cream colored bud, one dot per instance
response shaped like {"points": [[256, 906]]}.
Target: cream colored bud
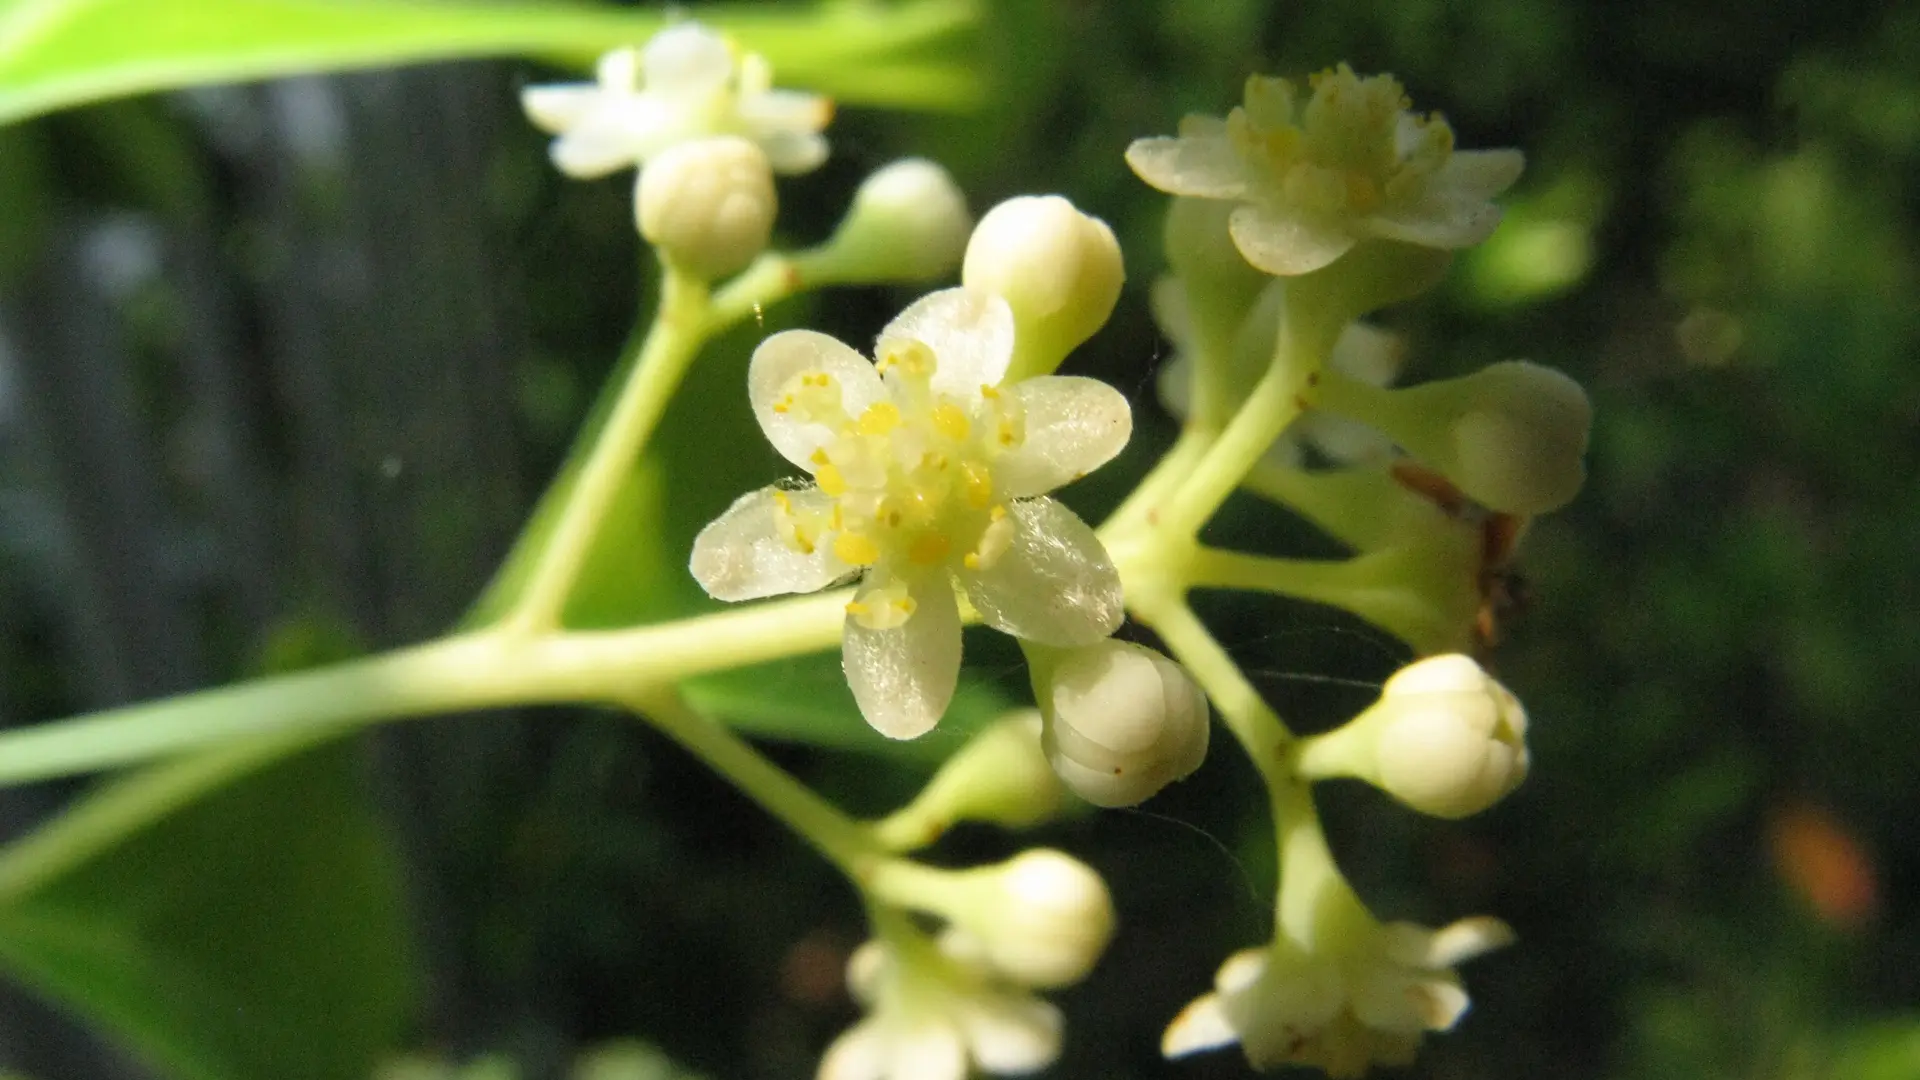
{"points": [[1444, 738], [1059, 269], [1041, 918], [1000, 777], [1122, 722], [708, 205], [908, 223], [1520, 445]]}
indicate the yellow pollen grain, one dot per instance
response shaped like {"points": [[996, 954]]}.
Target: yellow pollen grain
{"points": [[996, 513], [928, 549], [948, 420], [991, 393], [855, 549], [879, 419], [830, 480], [979, 484], [784, 405]]}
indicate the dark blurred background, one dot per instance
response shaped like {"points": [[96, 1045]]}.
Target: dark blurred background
{"points": [[282, 367]]}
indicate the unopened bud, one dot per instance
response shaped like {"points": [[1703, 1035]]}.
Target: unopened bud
{"points": [[999, 777], [1444, 738], [708, 205], [1041, 919], [1059, 269], [908, 223], [1122, 721]]}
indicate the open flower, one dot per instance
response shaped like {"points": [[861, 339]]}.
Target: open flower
{"points": [[927, 474], [688, 83], [1342, 1011], [1312, 181], [933, 1016]]}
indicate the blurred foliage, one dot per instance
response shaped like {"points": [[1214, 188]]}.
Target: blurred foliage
{"points": [[1713, 870]]}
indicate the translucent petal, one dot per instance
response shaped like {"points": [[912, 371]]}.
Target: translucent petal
{"points": [[903, 678], [794, 352], [970, 332], [741, 555], [1073, 426], [554, 109], [860, 1053], [619, 70], [686, 58], [1205, 166], [1449, 223], [931, 1051], [1202, 1025], [786, 110], [1054, 585], [1282, 240], [1405, 1002], [1478, 174], [791, 153], [1011, 1035]]}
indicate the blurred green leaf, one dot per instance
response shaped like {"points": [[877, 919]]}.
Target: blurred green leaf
{"points": [[59, 53], [258, 932]]}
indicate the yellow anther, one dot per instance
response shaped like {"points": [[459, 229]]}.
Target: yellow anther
{"points": [[951, 421], [978, 484], [830, 481], [911, 357], [995, 539], [784, 405], [855, 549], [996, 513], [991, 393], [928, 549], [971, 560], [879, 419]]}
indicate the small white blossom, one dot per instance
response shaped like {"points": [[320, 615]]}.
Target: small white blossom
{"points": [[688, 83], [936, 1016], [708, 205], [1313, 180], [928, 474], [1342, 1011]]}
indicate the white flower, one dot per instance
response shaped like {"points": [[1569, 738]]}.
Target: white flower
{"points": [[688, 83], [1059, 269], [708, 205], [1312, 181], [1342, 1012], [933, 1016], [928, 474], [1122, 722]]}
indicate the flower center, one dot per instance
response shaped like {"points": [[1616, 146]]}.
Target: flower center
{"points": [[1353, 149], [910, 478]]}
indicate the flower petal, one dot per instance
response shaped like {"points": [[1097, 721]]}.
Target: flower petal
{"points": [[741, 554], [970, 332], [862, 1052], [1010, 1035], [1073, 426], [1054, 585], [686, 58], [791, 153], [619, 70], [932, 1051], [789, 354], [1205, 166], [556, 107], [1479, 174], [1437, 221], [903, 678], [592, 149], [1282, 240], [1202, 1025]]}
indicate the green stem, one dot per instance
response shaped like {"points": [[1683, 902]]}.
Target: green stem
{"points": [[679, 329], [1140, 511], [1325, 581], [771, 278], [846, 843], [1315, 906]]}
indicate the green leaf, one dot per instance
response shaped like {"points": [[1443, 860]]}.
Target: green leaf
{"points": [[59, 53], [258, 932]]}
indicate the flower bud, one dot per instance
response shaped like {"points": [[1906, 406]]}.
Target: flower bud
{"points": [[1122, 721], [1059, 269], [908, 223], [1041, 919], [1444, 738], [1000, 777], [708, 205]]}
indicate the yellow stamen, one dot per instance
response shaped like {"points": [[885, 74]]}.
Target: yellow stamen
{"points": [[951, 422], [856, 549], [879, 419], [830, 480], [978, 484]]}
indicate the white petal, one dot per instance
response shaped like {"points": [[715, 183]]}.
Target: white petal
{"points": [[1437, 222], [593, 149], [619, 70], [970, 332], [555, 108], [1054, 585], [790, 353], [933, 1051], [903, 678], [1368, 353], [1203, 166], [786, 110], [1281, 240], [740, 555], [1397, 1000], [1009, 1036], [1452, 944], [1073, 426], [1479, 174], [792, 153], [1202, 1025], [860, 1053], [686, 58]]}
